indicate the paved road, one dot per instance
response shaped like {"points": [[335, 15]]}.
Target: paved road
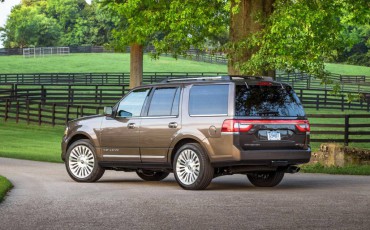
{"points": [[44, 197]]}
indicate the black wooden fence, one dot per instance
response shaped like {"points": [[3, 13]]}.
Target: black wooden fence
{"points": [[324, 128], [108, 94]]}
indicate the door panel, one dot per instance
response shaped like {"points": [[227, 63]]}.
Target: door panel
{"points": [[156, 135], [119, 141], [120, 133], [160, 125]]}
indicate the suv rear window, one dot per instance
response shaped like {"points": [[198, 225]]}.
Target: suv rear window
{"points": [[271, 101]]}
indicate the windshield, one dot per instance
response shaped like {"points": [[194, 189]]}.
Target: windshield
{"points": [[267, 101]]}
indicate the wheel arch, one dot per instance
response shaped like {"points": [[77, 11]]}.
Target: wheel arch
{"points": [[182, 142]]}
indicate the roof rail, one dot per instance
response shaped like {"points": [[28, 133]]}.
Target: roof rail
{"points": [[219, 78], [252, 77]]}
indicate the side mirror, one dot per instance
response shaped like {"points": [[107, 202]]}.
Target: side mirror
{"points": [[108, 111], [124, 114]]}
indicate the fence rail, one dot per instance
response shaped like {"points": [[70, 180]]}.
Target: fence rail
{"points": [[324, 128], [340, 128], [108, 94]]}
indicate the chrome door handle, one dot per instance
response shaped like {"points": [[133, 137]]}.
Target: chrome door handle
{"points": [[172, 125], [131, 125]]}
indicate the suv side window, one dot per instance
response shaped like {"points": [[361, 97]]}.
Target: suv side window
{"points": [[132, 104], [208, 100], [165, 102]]}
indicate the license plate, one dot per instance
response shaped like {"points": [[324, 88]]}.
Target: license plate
{"points": [[273, 136]]}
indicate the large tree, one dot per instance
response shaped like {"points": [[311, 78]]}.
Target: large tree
{"points": [[171, 26], [27, 26], [265, 35]]}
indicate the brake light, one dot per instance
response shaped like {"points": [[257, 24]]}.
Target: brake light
{"points": [[264, 83], [303, 126], [235, 126]]}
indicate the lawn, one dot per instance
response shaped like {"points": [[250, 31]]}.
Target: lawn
{"points": [[102, 62], [347, 69], [5, 186], [31, 142], [118, 62]]}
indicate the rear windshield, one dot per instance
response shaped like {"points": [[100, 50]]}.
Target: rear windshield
{"points": [[267, 101]]}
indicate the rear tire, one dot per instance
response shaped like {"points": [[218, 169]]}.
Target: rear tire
{"points": [[82, 163], [148, 175], [192, 168], [266, 179]]}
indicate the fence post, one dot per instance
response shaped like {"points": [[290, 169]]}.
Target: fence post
{"points": [[53, 115], [317, 101], [67, 113], [325, 97], [6, 109], [82, 111], [39, 113], [17, 112], [346, 130], [43, 95], [342, 102], [28, 111]]}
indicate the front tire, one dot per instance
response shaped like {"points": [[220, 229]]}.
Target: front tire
{"points": [[192, 168], [266, 179], [81, 162], [148, 175]]}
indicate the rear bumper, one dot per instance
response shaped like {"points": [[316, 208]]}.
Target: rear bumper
{"points": [[271, 158]]}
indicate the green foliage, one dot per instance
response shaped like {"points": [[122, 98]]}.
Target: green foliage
{"points": [[28, 26], [302, 34], [5, 186], [57, 22], [171, 26]]}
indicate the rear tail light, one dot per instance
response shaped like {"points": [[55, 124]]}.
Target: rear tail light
{"points": [[303, 126], [235, 125]]}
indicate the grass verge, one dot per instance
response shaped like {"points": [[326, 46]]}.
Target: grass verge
{"points": [[346, 170], [5, 186]]}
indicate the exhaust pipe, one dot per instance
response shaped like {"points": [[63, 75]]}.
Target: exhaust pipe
{"points": [[293, 169]]}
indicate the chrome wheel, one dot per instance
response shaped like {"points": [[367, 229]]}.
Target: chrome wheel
{"points": [[81, 161], [188, 167]]}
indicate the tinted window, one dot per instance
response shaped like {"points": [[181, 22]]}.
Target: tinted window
{"points": [[163, 102], [208, 100], [132, 104], [275, 101]]}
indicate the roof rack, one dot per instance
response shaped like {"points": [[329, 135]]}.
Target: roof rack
{"points": [[252, 77], [219, 78], [215, 78]]}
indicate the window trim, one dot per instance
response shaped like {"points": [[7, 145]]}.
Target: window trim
{"points": [[116, 106], [145, 112]]}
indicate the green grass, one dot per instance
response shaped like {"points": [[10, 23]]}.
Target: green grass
{"points": [[346, 170], [31, 142], [118, 62], [347, 69], [102, 62], [5, 186]]}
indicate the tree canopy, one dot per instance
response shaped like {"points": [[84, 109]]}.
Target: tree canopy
{"points": [[265, 35], [56, 22]]}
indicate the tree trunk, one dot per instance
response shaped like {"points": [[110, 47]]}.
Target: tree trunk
{"points": [[136, 65], [244, 23]]}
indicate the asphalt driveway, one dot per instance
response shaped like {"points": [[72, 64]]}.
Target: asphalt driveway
{"points": [[44, 197]]}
